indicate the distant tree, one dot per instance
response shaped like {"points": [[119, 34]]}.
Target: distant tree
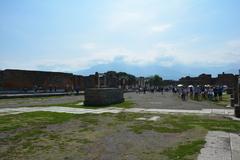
{"points": [[155, 81]]}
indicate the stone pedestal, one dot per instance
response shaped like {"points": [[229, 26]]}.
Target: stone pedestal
{"points": [[103, 96]]}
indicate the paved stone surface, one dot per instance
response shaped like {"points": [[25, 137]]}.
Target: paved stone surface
{"points": [[235, 146], [221, 146], [5, 111]]}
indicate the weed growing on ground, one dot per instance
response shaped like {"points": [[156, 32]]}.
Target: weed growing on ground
{"points": [[181, 123], [183, 151], [11, 122]]}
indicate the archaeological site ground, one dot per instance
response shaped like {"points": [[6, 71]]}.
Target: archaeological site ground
{"points": [[145, 126], [119, 79]]}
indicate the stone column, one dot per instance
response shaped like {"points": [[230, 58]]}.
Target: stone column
{"points": [[237, 94]]}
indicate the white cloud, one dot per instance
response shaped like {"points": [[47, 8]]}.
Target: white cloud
{"points": [[180, 53], [196, 39], [162, 54], [88, 46], [233, 44], [160, 28], [122, 20]]}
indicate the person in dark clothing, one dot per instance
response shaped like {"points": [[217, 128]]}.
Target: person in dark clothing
{"points": [[220, 92], [184, 93], [215, 91], [144, 90]]}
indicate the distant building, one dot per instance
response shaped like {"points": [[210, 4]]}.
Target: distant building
{"points": [[13, 81], [227, 79], [22, 80], [203, 79]]}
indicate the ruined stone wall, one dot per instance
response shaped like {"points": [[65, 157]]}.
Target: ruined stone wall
{"points": [[112, 79], [1, 80], [204, 79], [30, 80], [79, 83], [227, 79], [222, 79], [90, 81]]}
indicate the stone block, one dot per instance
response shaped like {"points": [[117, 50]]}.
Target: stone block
{"points": [[103, 96]]}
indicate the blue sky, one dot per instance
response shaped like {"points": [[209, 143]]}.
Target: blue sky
{"points": [[172, 38]]}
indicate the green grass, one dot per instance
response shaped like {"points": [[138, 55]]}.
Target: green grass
{"points": [[184, 151], [26, 129], [181, 123], [225, 100], [123, 116], [28, 134], [89, 119], [11, 122], [125, 104], [38, 119], [167, 123]]}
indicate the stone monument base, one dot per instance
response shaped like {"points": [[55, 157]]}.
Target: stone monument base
{"points": [[103, 96]]}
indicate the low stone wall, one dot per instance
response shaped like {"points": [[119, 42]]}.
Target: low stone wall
{"points": [[103, 96]]}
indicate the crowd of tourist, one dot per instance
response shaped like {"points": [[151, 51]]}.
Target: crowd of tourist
{"points": [[206, 92]]}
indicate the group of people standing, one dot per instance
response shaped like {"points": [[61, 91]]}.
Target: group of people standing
{"points": [[207, 92]]}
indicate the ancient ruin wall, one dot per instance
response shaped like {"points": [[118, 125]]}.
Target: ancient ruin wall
{"points": [[21, 79]]}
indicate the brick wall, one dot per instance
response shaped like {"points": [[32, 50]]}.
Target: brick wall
{"points": [[21, 79]]}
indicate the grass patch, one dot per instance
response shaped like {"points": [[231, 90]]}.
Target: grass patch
{"points": [[123, 116], [29, 134], [157, 128], [184, 151], [11, 122], [225, 100], [125, 104], [89, 119], [181, 123]]}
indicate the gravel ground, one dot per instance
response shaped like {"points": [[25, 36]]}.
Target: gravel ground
{"points": [[168, 101], [109, 138], [26, 102], [148, 100], [76, 139]]}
